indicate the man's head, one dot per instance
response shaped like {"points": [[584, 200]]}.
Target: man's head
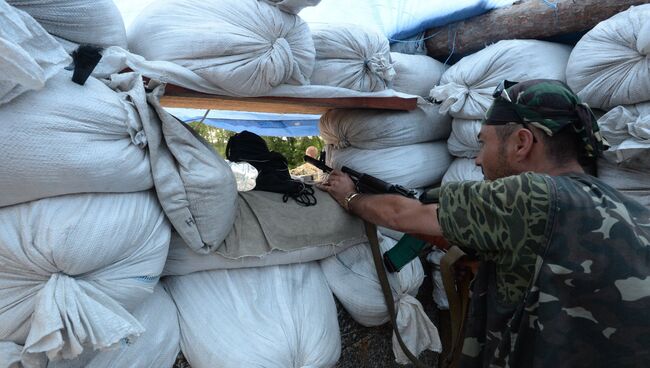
{"points": [[312, 152], [538, 125]]}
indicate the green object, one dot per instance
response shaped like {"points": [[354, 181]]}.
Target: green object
{"points": [[406, 249]]}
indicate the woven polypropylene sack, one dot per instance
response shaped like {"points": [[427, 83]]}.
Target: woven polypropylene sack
{"points": [[277, 316], [414, 166], [351, 57], [28, 55], [353, 279], [157, 347], [463, 141], [293, 6], [627, 130], [96, 22], [68, 138], [610, 65], [466, 88], [245, 47], [463, 169], [74, 267], [416, 74], [375, 129]]}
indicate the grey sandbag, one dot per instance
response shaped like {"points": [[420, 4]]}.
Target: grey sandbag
{"points": [[195, 185]]}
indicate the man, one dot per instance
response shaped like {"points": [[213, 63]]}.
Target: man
{"points": [[564, 279]]}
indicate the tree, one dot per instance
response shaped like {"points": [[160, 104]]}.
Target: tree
{"points": [[293, 148]]}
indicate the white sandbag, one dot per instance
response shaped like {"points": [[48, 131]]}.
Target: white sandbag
{"points": [[68, 138], [627, 130], [96, 22], [351, 57], [157, 347], [353, 279], [293, 6], [610, 65], [375, 129], [244, 47], [631, 178], [28, 55], [416, 74], [414, 166], [245, 175], [278, 316], [463, 141], [463, 169], [74, 266], [195, 186], [466, 88]]}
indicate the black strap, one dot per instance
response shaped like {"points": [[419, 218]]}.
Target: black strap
{"points": [[371, 233]]}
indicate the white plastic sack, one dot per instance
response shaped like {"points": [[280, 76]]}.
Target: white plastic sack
{"points": [[353, 279], [351, 57], [627, 130], [375, 129], [466, 88], [631, 178], [157, 347], [463, 141], [96, 22], [195, 186], [28, 55], [245, 175], [277, 316], [438, 293], [610, 65], [414, 166], [68, 138], [72, 267], [244, 47], [463, 169], [416, 74], [293, 6]]}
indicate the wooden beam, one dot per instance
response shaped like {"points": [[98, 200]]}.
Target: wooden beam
{"points": [[533, 19], [180, 97]]}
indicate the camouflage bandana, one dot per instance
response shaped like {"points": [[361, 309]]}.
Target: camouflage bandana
{"points": [[549, 105]]}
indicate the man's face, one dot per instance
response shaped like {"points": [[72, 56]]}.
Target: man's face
{"points": [[493, 157]]}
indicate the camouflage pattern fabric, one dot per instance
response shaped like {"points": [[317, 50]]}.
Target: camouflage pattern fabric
{"points": [[549, 105], [588, 300], [504, 221]]}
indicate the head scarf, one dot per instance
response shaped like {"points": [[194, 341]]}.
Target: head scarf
{"points": [[549, 105]]}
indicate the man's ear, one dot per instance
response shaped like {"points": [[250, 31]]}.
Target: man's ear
{"points": [[524, 141]]}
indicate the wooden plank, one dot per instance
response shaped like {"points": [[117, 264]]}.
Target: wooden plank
{"points": [[180, 97], [533, 19]]}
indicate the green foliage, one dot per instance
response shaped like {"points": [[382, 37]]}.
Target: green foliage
{"points": [[293, 148]]}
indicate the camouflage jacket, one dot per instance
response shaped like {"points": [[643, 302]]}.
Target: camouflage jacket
{"points": [[565, 280]]}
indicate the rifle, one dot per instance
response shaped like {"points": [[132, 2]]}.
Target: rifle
{"points": [[408, 247]]}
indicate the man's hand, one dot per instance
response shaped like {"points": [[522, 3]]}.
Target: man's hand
{"points": [[338, 185]]}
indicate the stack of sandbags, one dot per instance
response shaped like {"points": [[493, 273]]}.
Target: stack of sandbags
{"points": [[277, 316], [405, 148], [351, 57], [29, 55], [74, 22], [610, 69], [352, 277], [466, 88], [158, 346], [74, 268], [243, 47]]}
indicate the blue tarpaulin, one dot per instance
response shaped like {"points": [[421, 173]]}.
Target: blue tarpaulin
{"points": [[264, 124]]}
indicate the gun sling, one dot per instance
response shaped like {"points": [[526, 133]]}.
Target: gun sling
{"points": [[371, 232]]}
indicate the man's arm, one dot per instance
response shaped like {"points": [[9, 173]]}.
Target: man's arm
{"points": [[389, 210]]}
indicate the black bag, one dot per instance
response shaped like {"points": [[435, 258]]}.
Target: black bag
{"points": [[273, 169]]}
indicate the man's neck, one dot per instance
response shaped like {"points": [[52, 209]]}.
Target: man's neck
{"points": [[555, 170]]}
